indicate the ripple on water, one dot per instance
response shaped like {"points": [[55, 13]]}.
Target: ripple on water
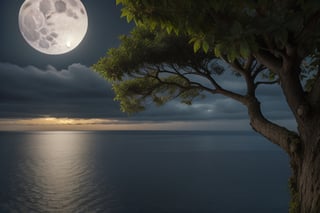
{"points": [[58, 177]]}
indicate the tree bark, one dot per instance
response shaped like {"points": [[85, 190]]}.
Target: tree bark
{"points": [[289, 141], [305, 180]]}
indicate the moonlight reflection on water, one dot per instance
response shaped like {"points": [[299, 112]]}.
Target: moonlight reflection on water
{"points": [[55, 174], [141, 172]]}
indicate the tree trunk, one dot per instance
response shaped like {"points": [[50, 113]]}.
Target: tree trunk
{"points": [[305, 180], [304, 152], [303, 148]]}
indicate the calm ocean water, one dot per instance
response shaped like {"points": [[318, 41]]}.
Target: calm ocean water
{"points": [[142, 172]]}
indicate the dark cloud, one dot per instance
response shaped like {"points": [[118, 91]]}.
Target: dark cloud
{"points": [[73, 92]]}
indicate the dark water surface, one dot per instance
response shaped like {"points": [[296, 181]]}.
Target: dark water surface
{"points": [[147, 172]]}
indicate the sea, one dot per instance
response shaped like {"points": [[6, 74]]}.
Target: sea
{"points": [[142, 172]]}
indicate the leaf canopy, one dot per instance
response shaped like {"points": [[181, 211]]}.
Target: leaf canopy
{"points": [[235, 27], [152, 64], [172, 47]]}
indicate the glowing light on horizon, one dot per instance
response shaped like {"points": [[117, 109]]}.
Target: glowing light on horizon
{"points": [[74, 124], [62, 121], [62, 124]]}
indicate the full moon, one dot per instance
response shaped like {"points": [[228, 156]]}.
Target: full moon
{"points": [[53, 26]]}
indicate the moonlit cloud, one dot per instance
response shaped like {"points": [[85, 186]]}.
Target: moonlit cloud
{"points": [[77, 96], [76, 92]]}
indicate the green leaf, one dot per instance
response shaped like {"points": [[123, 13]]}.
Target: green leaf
{"points": [[205, 46], [192, 40], [118, 2], [196, 45], [272, 76], [233, 53], [153, 25], [129, 18], [169, 29], [217, 50]]}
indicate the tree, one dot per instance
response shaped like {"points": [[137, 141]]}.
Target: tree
{"points": [[175, 52]]}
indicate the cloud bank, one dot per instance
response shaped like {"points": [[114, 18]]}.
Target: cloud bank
{"points": [[79, 93], [75, 92]]}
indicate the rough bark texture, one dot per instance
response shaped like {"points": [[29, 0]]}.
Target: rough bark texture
{"points": [[305, 161], [305, 180], [287, 140]]}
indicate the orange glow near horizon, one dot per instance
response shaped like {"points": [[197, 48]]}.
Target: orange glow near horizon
{"points": [[52, 123], [97, 124], [70, 121], [60, 121], [70, 124]]}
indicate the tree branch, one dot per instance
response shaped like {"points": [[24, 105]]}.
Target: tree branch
{"points": [[288, 70], [315, 92], [238, 68], [266, 82], [246, 75], [248, 64], [274, 64], [257, 71], [211, 80], [293, 90], [191, 84], [196, 85], [287, 140], [235, 96]]}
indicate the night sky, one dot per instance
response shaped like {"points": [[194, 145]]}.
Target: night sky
{"points": [[51, 92]]}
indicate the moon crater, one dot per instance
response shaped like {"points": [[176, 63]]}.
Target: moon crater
{"points": [[53, 26], [60, 6]]}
